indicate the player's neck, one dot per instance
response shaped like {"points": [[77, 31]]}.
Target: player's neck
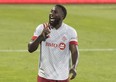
{"points": [[57, 26]]}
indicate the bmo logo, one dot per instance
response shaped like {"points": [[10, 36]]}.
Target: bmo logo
{"points": [[62, 46]]}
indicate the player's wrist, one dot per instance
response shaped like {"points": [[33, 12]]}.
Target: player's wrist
{"points": [[41, 38], [44, 36], [74, 67]]}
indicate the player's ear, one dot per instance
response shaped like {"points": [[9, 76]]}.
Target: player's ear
{"points": [[62, 16]]}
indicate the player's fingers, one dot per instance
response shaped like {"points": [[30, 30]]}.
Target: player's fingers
{"points": [[72, 77], [73, 74], [46, 25], [47, 30], [43, 34], [71, 70]]}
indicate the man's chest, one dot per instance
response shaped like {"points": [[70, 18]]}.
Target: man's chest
{"points": [[59, 40], [58, 36]]}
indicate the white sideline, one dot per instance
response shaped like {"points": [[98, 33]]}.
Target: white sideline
{"points": [[97, 49], [84, 50], [13, 51]]}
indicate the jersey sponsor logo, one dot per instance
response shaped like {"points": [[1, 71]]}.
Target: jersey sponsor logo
{"points": [[61, 45], [51, 44]]}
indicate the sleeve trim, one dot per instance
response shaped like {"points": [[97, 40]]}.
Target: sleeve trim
{"points": [[34, 37], [73, 42]]}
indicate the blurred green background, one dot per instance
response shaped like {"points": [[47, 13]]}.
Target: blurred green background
{"points": [[96, 27]]}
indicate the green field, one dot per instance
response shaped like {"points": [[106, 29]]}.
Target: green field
{"points": [[96, 26]]}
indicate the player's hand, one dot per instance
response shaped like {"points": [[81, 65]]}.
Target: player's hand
{"points": [[73, 73], [45, 33]]}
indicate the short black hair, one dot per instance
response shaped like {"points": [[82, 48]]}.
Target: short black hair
{"points": [[63, 9]]}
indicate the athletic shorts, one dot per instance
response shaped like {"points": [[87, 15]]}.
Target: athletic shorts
{"points": [[41, 79]]}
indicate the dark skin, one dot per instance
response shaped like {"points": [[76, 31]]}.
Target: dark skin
{"points": [[56, 18]]}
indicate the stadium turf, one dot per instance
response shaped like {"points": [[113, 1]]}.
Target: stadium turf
{"points": [[96, 27]]}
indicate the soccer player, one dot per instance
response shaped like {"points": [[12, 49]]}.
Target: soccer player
{"points": [[58, 46]]}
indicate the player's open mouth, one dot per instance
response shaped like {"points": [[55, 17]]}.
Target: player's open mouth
{"points": [[52, 19]]}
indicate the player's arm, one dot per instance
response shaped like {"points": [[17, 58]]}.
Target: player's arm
{"points": [[34, 43], [73, 46], [74, 55]]}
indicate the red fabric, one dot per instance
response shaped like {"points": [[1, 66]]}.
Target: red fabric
{"points": [[58, 1], [34, 37], [41, 79], [73, 42]]}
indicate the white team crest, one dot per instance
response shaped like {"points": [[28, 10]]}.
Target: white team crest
{"points": [[62, 46]]}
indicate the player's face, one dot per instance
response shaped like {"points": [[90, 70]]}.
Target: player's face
{"points": [[56, 16]]}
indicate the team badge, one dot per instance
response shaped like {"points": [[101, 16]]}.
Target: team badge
{"points": [[64, 38], [62, 46]]}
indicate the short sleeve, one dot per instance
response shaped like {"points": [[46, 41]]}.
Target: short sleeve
{"points": [[73, 37], [37, 32]]}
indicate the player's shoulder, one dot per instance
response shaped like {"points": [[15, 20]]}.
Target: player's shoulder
{"points": [[42, 25], [39, 26], [69, 28]]}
